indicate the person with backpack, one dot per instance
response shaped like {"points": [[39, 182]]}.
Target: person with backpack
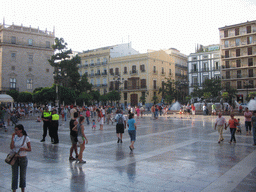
{"points": [[120, 125]]}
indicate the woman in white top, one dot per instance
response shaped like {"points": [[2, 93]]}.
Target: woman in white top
{"points": [[20, 143]]}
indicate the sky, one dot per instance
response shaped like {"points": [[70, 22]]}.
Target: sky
{"points": [[147, 24]]}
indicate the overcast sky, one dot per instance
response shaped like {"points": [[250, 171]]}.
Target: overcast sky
{"points": [[148, 24]]}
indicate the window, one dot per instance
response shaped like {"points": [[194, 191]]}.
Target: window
{"points": [[116, 71], [92, 62], [227, 74], [98, 81], [250, 62], [105, 60], [227, 64], [86, 73], [134, 69], [13, 40], [125, 96], [154, 69], [104, 81], [92, 81], [249, 29], [251, 84], [29, 83], [226, 44], [86, 63], [116, 85], [250, 71], [142, 68], [249, 50], [238, 73], [194, 81], [194, 58], [29, 69], [249, 40], [47, 44], [239, 85], [236, 31], [98, 61], [98, 71], [92, 72], [238, 63], [170, 71], [30, 42], [125, 70], [13, 68], [237, 52], [30, 58], [111, 87], [143, 83], [226, 33], [111, 71], [205, 77], [104, 71], [227, 84], [13, 56], [12, 83], [194, 68], [226, 54], [238, 40], [162, 70], [154, 84], [216, 65], [47, 70], [125, 84]]}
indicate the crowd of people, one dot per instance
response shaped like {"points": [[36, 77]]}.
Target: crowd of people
{"points": [[78, 116]]}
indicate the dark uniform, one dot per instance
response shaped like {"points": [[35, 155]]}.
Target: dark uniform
{"points": [[54, 127], [46, 116]]}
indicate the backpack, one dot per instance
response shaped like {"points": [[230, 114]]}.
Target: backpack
{"points": [[120, 119]]}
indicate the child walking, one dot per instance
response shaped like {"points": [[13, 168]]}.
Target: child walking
{"points": [[93, 124]]}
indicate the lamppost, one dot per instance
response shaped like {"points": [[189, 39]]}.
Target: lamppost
{"points": [[118, 81], [58, 75], [247, 86]]}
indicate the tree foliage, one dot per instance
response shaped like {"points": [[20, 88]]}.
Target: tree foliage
{"points": [[25, 97], [14, 94]]}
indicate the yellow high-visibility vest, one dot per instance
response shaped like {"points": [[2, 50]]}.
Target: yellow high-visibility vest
{"points": [[47, 114], [55, 117]]}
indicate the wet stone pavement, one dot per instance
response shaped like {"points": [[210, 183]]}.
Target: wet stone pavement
{"points": [[171, 154]]}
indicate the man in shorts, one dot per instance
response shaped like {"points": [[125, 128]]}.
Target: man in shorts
{"points": [[73, 136]]}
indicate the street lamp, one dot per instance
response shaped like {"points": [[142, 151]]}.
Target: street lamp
{"points": [[247, 86], [58, 75], [118, 80]]}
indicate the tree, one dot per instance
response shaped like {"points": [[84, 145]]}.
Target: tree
{"points": [[197, 92], [252, 95], [66, 94], [168, 91], [113, 96], [95, 95], [84, 85], [14, 94], [143, 99], [84, 98], [66, 69], [155, 99], [212, 86], [45, 95], [104, 99], [25, 97], [229, 94]]}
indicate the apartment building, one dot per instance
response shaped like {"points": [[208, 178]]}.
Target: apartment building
{"points": [[238, 57], [124, 69], [203, 64], [141, 76], [24, 54]]}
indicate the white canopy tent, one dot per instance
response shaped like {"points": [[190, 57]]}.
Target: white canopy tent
{"points": [[6, 99]]}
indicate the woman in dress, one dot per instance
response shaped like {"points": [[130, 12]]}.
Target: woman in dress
{"points": [[20, 143], [100, 119]]}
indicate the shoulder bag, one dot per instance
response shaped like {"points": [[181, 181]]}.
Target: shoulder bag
{"points": [[12, 156]]}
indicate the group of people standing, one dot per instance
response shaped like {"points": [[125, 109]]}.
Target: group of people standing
{"points": [[235, 125]]}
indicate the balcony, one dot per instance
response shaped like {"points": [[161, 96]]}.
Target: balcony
{"points": [[205, 69], [98, 64], [133, 72], [91, 75], [104, 73], [104, 63], [155, 87], [104, 85], [97, 74], [163, 73], [92, 65], [181, 66], [193, 70], [233, 66], [143, 71], [125, 72], [239, 76], [155, 72], [194, 84]]}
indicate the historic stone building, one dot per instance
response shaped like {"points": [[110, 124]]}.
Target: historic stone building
{"points": [[238, 57], [24, 54]]}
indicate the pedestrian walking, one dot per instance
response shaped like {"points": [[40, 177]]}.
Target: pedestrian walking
{"points": [[20, 143], [220, 124], [120, 125], [88, 114], [232, 123], [248, 125], [73, 137], [132, 130], [81, 138]]}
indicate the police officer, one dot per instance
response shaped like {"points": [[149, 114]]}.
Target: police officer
{"points": [[54, 126], [46, 116]]}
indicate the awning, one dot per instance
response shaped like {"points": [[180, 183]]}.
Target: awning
{"points": [[6, 98]]}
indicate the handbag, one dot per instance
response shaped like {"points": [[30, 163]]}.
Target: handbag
{"points": [[12, 156]]}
